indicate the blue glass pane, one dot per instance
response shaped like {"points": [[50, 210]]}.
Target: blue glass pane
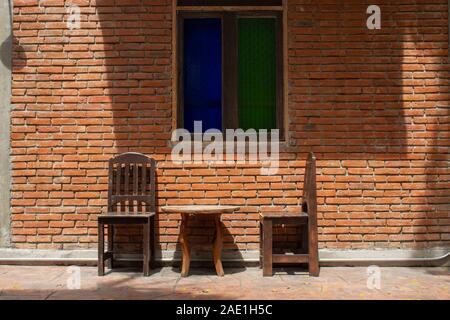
{"points": [[202, 73]]}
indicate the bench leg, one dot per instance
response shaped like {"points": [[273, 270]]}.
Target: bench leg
{"points": [[146, 248], [313, 251], [261, 239], [267, 248], [101, 250]]}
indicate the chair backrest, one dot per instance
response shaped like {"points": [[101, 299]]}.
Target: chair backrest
{"points": [[309, 199], [131, 185]]}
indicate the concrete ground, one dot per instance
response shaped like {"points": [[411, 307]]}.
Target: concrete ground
{"points": [[60, 282]]}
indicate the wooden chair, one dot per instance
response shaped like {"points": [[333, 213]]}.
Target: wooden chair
{"points": [[306, 219], [131, 200]]}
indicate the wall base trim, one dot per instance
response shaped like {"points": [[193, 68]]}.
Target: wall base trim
{"points": [[398, 257]]}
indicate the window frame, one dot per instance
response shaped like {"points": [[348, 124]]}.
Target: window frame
{"points": [[229, 64], [228, 3]]}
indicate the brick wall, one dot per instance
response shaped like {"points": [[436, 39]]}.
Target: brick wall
{"points": [[372, 104]]}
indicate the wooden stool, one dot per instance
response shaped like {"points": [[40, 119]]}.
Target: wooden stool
{"points": [[306, 219], [193, 210]]}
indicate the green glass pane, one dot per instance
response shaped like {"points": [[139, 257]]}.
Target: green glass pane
{"points": [[257, 73]]}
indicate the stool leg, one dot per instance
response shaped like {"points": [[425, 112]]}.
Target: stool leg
{"points": [[185, 245], [217, 247], [267, 250]]}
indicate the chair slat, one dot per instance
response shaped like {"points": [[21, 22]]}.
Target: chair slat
{"points": [[135, 178], [138, 205], [144, 179], [118, 174], [127, 178]]}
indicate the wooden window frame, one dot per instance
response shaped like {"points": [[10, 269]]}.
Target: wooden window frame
{"points": [[229, 17], [228, 3]]}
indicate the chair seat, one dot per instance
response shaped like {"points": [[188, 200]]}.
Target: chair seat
{"points": [[125, 218], [126, 215]]}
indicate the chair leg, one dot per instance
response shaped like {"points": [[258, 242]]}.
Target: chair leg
{"points": [[313, 252], [267, 248], [152, 241], [101, 250], [110, 262], [146, 248]]}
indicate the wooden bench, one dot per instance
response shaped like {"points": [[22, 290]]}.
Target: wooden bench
{"points": [[306, 219]]}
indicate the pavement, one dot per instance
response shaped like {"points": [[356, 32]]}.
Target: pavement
{"points": [[82, 283]]}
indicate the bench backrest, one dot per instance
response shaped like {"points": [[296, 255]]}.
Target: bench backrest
{"points": [[309, 199]]}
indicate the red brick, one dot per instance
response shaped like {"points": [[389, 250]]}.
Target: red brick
{"points": [[377, 124]]}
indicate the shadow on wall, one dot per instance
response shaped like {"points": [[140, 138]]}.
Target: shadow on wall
{"points": [[379, 97], [347, 90], [6, 45], [426, 73], [134, 94], [5, 107], [436, 213], [130, 87], [354, 94], [5, 52]]}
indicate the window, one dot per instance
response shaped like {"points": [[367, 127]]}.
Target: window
{"points": [[230, 69], [202, 72]]}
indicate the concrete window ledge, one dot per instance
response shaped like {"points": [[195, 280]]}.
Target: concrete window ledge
{"points": [[423, 257]]}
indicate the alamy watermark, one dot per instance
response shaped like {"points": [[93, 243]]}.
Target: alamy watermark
{"points": [[374, 20], [373, 277], [74, 279], [73, 21], [235, 146]]}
